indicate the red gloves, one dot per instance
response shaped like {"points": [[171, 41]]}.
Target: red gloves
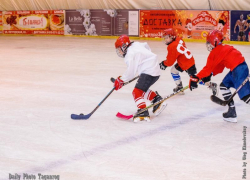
{"points": [[118, 83], [193, 82]]}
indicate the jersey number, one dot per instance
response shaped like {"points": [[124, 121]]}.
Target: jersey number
{"points": [[183, 50]]}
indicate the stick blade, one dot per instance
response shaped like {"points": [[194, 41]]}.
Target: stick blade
{"points": [[121, 116], [80, 116], [217, 100], [112, 80]]}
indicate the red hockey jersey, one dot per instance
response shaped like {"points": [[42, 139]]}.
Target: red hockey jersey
{"points": [[220, 57], [177, 50]]}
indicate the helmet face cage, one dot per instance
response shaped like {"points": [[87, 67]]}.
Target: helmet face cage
{"points": [[164, 36], [214, 38], [121, 45], [209, 46], [170, 34], [122, 50]]}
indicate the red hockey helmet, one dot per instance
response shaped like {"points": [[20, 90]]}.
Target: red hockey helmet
{"points": [[121, 45], [168, 36], [214, 38], [170, 32]]}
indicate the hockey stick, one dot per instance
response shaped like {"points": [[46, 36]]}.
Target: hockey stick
{"points": [[82, 116], [221, 102], [87, 116], [120, 115]]}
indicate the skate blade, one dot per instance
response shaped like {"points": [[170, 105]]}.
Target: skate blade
{"points": [[232, 120], [214, 89], [181, 93], [137, 119], [161, 108]]}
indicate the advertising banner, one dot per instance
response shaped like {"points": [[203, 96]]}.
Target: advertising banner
{"points": [[105, 22], [193, 24], [34, 22], [240, 26], [1, 23], [88, 22], [126, 22]]}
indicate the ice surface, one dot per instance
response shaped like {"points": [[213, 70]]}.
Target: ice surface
{"points": [[45, 79]]}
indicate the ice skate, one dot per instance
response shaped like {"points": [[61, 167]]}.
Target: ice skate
{"points": [[230, 115], [179, 87], [213, 86], [144, 116], [157, 109]]}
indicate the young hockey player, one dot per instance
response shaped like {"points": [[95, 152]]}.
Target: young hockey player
{"points": [[140, 60], [222, 56], [177, 51]]}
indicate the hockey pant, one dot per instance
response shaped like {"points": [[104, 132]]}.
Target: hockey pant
{"points": [[234, 79]]}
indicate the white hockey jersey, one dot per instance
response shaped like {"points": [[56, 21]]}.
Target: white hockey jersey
{"points": [[140, 59]]}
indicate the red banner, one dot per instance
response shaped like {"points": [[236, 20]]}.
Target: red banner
{"points": [[193, 24], [47, 22], [1, 23]]}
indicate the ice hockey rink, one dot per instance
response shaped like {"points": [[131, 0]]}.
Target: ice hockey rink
{"points": [[45, 79]]}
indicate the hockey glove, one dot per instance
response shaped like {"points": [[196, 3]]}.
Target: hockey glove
{"points": [[207, 79], [118, 83], [193, 82], [162, 65]]}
